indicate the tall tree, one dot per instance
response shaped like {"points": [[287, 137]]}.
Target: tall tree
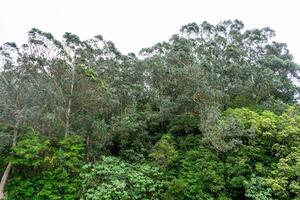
{"points": [[16, 97]]}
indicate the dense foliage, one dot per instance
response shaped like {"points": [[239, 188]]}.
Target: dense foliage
{"points": [[211, 113]]}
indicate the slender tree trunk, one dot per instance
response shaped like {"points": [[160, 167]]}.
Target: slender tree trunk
{"points": [[87, 147], [16, 129], [9, 166], [68, 113], [67, 126], [4, 180]]}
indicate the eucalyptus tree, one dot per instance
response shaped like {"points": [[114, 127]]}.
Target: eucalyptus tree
{"points": [[55, 62], [17, 102], [247, 66], [67, 72], [47, 83], [207, 68]]}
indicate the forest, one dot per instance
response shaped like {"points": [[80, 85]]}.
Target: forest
{"points": [[210, 114]]}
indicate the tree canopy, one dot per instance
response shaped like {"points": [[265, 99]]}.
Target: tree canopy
{"points": [[211, 113]]}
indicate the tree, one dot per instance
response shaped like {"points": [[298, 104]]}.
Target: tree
{"points": [[164, 152], [56, 168], [116, 179], [16, 100], [257, 189], [222, 63], [210, 113]]}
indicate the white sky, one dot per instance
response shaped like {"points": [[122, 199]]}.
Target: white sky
{"points": [[134, 24]]}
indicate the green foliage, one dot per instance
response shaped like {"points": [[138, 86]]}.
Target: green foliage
{"points": [[264, 164], [56, 172], [5, 138], [30, 151], [130, 135], [184, 124], [112, 178], [175, 191], [50, 185], [274, 105], [257, 189], [69, 154], [164, 152], [92, 75], [214, 108], [200, 176], [285, 177]]}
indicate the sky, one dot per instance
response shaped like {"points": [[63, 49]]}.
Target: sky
{"points": [[135, 24]]}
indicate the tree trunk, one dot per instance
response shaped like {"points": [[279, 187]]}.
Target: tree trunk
{"points": [[4, 180], [67, 126], [9, 166], [87, 147], [16, 128], [68, 113]]}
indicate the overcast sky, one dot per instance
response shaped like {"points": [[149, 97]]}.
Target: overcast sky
{"points": [[134, 24]]}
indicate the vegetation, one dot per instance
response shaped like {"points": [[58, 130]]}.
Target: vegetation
{"points": [[211, 113]]}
